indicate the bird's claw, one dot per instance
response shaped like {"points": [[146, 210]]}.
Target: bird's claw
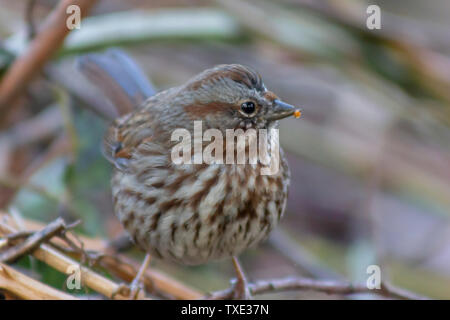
{"points": [[134, 291], [240, 290]]}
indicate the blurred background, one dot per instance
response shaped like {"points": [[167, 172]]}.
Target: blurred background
{"points": [[370, 158]]}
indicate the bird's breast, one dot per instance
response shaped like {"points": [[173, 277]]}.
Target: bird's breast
{"points": [[194, 213]]}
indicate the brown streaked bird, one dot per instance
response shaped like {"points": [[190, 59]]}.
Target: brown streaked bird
{"points": [[190, 214]]}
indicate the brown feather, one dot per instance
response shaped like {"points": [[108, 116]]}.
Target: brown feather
{"points": [[199, 111]]}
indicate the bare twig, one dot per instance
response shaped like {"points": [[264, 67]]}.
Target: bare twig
{"points": [[18, 235], [119, 265], [391, 291], [25, 287], [64, 264], [329, 287], [126, 269], [41, 49], [33, 241], [90, 278]]}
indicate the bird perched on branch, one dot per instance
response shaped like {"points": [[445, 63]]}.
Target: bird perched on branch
{"points": [[191, 213]]}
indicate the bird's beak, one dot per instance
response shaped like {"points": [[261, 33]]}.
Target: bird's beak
{"points": [[280, 110]]}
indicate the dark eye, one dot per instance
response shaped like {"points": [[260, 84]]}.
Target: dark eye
{"points": [[248, 107]]}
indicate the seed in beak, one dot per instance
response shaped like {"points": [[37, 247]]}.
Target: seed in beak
{"points": [[297, 114]]}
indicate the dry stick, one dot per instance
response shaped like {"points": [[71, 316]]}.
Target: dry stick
{"points": [[90, 278], [329, 287], [48, 40], [121, 266], [64, 264], [31, 225], [25, 287], [33, 241], [124, 267]]}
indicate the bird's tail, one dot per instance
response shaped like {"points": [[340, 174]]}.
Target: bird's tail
{"points": [[118, 77]]}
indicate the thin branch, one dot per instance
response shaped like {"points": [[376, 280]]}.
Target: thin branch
{"points": [[25, 287], [33, 241], [41, 49], [126, 269], [118, 265], [18, 235], [64, 264], [328, 287], [391, 291]]}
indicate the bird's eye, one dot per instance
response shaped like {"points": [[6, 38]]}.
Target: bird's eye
{"points": [[248, 107]]}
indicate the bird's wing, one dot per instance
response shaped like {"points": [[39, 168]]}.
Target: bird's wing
{"points": [[125, 135]]}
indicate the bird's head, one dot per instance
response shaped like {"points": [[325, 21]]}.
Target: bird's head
{"points": [[233, 96]]}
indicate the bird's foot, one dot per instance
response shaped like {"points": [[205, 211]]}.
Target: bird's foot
{"points": [[240, 286], [137, 290], [240, 290]]}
